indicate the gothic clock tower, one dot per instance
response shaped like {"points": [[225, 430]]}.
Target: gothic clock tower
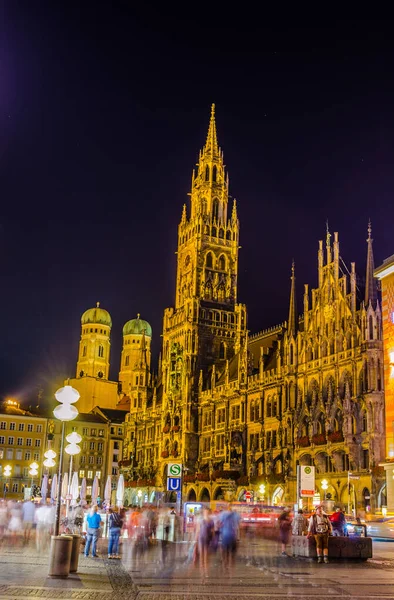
{"points": [[206, 327]]}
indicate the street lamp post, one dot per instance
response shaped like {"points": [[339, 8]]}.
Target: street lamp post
{"points": [[60, 553], [65, 412], [72, 449], [33, 472]]}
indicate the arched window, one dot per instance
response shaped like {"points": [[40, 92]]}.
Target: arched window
{"points": [[221, 233], [207, 173], [222, 263], [257, 411], [215, 208], [370, 327], [365, 421], [214, 232], [101, 351], [214, 173], [269, 408], [228, 235], [222, 350], [291, 357], [127, 361], [209, 262], [84, 351]]}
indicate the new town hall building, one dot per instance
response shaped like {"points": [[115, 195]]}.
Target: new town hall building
{"points": [[241, 410]]}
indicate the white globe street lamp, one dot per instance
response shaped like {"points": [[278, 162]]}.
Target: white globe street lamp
{"points": [[7, 474], [72, 449], [33, 472], [65, 412]]}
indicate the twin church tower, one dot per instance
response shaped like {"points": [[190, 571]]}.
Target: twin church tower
{"points": [[242, 411]]}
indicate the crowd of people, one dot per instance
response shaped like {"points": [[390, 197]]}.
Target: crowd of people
{"points": [[141, 528]]}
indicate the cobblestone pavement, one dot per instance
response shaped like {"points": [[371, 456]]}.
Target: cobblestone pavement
{"points": [[259, 573]]}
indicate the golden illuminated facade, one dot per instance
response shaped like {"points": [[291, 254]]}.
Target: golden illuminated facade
{"points": [[22, 442], [240, 411]]}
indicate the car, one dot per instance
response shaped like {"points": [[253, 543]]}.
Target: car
{"points": [[382, 528]]}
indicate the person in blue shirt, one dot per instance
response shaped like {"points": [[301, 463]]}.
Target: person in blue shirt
{"points": [[94, 522]]}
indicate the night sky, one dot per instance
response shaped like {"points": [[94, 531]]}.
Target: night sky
{"points": [[103, 111]]}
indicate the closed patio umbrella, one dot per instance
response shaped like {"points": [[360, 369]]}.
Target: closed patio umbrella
{"points": [[54, 488], [107, 491], [120, 491], [74, 489], [44, 489], [65, 486], [82, 492], [95, 490]]}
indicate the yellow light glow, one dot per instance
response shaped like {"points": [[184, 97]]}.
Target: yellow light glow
{"points": [[391, 354], [49, 463], [324, 484], [262, 488]]}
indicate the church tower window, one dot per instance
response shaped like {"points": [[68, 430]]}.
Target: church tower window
{"points": [[215, 209], [127, 361], [207, 173], [84, 351], [222, 263], [370, 328], [209, 261], [101, 351], [214, 173]]}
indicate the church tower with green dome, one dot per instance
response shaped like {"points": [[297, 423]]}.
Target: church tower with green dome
{"points": [[95, 343], [136, 358]]}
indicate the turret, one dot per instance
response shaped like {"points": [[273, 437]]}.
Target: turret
{"points": [[292, 323], [371, 294], [94, 346], [136, 354]]}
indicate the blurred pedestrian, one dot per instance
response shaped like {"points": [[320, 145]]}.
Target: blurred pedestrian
{"points": [[28, 516], [284, 521], [115, 527], [205, 533], [338, 522], [229, 533], [94, 522], [300, 524]]}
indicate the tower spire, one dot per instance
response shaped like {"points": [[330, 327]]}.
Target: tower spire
{"points": [[370, 282], [292, 323], [211, 145]]}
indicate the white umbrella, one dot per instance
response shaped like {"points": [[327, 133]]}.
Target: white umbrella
{"points": [[120, 491], [74, 489], [82, 492], [54, 488], [95, 490], [65, 486], [44, 489], [107, 491]]}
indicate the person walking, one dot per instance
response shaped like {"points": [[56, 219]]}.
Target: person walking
{"points": [[338, 522], [28, 517], [94, 522], [115, 527], [300, 524], [229, 532], [320, 528], [284, 521], [204, 536]]}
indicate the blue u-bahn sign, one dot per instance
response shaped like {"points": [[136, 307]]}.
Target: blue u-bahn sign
{"points": [[173, 484]]}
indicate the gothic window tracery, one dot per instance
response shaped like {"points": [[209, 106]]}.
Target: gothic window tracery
{"points": [[215, 209], [209, 261], [207, 173], [214, 173]]}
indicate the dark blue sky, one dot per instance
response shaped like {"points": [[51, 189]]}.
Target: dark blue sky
{"points": [[103, 111]]}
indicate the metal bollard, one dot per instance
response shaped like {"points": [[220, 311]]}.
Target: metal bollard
{"points": [[75, 550], [60, 555]]}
